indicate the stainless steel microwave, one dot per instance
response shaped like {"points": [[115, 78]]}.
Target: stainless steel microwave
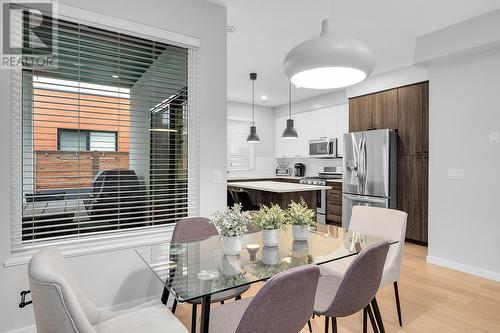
{"points": [[323, 148]]}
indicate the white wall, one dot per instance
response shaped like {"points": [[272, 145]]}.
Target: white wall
{"points": [[265, 163], [119, 277], [464, 215]]}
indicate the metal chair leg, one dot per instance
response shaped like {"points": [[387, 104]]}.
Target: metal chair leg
{"points": [[334, 325], [164, 296], [309, 325], [398, 305], [193, 319], [327, 320], [221, 302], [238, 298], [365, 314], [378, 316], [372, 318], [174, 306]]}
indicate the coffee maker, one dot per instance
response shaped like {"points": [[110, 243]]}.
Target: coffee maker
{"points": [[299, 170]]}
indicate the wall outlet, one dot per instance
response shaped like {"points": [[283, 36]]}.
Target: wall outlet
{"points": [[456, 174], [217, 176], [494, 137]]}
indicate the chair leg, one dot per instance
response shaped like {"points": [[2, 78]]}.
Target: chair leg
{"points": [[365, 314], [238, 298], [378, 316], [372, 318], [164, 296], [309, 325], [334, 325], [221, 302], [398, 305], [174, 306], [193, 319], [327, 320]]}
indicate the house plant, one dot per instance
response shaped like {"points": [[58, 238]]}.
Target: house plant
{"points": [[301, 217], [232, 223], [270, 219]]}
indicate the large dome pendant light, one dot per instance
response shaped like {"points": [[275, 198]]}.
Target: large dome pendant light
{"points": [[329, 61], [289, 133], [253, 137]]}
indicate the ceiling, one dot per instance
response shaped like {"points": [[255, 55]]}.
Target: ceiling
{"points": [[267, 29]]}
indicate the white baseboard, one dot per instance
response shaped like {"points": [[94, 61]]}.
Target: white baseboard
{"points": [[495, 276], [32, 328]]}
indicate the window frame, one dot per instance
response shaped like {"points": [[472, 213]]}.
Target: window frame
{"points": [[87, 138], [105, 242], [251, 147]]}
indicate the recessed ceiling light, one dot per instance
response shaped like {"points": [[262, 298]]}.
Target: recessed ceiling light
{"points": [[263, 98], [230, 29], [115, 76]]}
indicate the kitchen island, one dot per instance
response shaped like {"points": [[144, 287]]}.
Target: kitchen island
{"points": [[282, 193]]}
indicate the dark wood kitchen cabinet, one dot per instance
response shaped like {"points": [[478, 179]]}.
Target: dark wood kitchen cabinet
{"points": [[405, 109], [334, 203], [360, 113]]}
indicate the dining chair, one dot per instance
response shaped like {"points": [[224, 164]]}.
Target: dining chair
{"points": [[283, 305], [388, 224], [341, 296], [195, 229], [60, 305]]}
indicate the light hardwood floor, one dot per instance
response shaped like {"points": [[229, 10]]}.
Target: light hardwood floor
{"points": [[433, 299]]}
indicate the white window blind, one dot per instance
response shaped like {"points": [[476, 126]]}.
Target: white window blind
{"points": [[239, 153], [120, 105]]}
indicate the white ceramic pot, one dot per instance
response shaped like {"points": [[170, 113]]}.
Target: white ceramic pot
{"points": [[270, 237], [230, 265], [300, 232], [231, 245], [270, 255], [299, 249]]}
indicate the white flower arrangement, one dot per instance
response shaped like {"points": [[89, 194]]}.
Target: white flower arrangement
{"points": [[300, 214], [231, 222]]}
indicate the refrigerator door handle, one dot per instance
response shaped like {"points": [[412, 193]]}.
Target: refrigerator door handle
{"points": [[364, 198], [362, 164]]}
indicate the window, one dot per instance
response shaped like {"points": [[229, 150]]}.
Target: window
{"points": [[106, 141], [83, 140], [239, 153]]}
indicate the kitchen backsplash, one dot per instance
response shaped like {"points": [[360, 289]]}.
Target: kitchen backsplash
{"points": [[313, 165]]}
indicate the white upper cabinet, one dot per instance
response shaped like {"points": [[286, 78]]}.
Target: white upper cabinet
{"points": [[331, 122]]}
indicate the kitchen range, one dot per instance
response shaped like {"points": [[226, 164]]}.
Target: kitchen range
{"points": [[329, 173]]}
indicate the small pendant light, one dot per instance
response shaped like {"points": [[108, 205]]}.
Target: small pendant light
{"points": [[253, 137], [289, 133]]}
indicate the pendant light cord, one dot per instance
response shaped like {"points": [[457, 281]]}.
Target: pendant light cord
{"points": [[253, 102], [290, 100]]}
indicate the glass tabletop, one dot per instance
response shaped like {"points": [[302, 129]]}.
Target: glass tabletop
{"points": [[194, 269]]}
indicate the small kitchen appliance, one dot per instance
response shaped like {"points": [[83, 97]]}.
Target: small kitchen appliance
{"points": [[283, 169], [299, 169]]}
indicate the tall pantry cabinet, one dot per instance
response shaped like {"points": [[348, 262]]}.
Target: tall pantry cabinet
{"points": [[405, 109]]}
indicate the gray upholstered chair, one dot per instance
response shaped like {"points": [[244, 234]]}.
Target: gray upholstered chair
{"points": [[388, 224], [198, 228], [61, 307], [283, 305], [341, 296]]}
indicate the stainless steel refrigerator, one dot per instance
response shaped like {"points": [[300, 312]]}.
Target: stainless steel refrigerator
{"points": [[369, 178]]}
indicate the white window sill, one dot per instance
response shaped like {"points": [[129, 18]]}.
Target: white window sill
{"points": [[97, 244]]}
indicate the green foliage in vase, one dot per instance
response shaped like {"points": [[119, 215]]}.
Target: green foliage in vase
{"points": [[230, 281], [270, 218], [232, 221], [300, 214]]}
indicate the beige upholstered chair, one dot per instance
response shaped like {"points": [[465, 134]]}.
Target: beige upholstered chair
{"points": [[61, 307], [389, 224]]}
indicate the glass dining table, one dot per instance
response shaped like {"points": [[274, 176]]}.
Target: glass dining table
{"points": [[199, 268]]}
